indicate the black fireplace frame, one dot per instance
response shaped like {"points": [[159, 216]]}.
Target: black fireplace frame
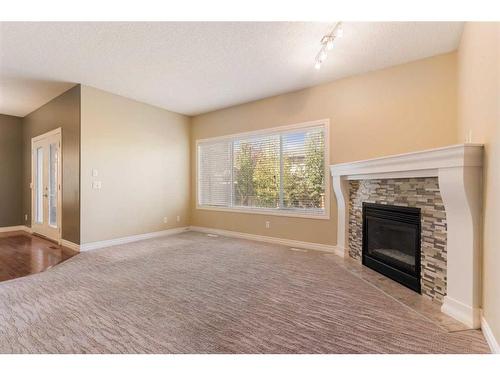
{"points": [[409, 215]]}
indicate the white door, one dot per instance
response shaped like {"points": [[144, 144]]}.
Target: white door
{"points": [[46, 185]]}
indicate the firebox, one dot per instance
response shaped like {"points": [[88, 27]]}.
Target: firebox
{"points": [[391, 242]]}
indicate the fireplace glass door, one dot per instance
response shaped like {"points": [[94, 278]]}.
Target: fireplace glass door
{"points": [[391, 242]]}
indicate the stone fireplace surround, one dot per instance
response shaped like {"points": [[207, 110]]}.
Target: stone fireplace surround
{"points": [[458, 171], [421, 192]]}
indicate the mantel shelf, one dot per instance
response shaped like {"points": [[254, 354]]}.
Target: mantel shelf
{"points": [[461, 155], [459, 172]]}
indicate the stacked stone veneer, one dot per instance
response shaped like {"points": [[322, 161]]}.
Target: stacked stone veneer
{"points": [[410, 192]]}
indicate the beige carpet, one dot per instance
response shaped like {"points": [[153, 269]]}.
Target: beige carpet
{"points": [[191, 293]]}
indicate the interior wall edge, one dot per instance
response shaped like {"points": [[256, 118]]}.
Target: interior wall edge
{"points": [[63, 111], [11, 212]]}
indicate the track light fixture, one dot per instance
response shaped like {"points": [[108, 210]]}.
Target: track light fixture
{"points": [[327, 44]]}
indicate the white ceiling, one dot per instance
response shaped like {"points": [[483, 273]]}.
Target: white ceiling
{"points": [[192, 68]]}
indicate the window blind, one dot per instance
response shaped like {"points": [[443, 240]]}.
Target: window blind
{"points": [[280, 171], [214, 182]]}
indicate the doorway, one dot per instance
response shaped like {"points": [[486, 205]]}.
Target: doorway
{"points": [[46, 185]]}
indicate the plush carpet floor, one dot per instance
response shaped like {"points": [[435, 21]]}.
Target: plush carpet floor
{"points": [[190, 293]]}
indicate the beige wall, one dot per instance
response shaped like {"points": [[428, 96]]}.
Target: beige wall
{"points": [[11, 158], [404, 108], [142, 157], [64, 112], [479, 112]]}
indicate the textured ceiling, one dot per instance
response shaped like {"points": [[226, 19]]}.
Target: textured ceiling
{"points": [[198, 67]]}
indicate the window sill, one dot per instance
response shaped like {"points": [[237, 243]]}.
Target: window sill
{"points": [[270, 212]]}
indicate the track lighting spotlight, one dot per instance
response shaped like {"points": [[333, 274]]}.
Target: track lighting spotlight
{"points": [[327, 44]]}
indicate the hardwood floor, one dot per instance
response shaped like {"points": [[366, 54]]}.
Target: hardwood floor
{"points": [[23, 254]]}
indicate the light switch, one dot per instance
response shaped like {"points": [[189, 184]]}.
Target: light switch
{"points": [[95, 173]]}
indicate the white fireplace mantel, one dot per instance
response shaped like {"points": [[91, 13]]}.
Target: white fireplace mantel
{"points": [[459, 172]]}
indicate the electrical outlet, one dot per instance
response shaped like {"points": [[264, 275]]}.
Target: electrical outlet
{"points": [[165, 220], [178, 219], [268, 224], [96, 184]]}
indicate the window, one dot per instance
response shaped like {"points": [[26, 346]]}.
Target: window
{"points": [[281, 171]]}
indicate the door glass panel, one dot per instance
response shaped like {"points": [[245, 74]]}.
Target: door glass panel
{"points": [[39, 185], [53, 185]]}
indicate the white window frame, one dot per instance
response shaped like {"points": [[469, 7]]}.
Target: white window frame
{"points": [[271, 211]]}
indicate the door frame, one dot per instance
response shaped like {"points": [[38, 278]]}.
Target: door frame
{"points": [[56, 132]]}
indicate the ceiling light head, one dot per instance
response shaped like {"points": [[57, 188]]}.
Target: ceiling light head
{"points": [[322, 55], [339, 31], [329, 44]]}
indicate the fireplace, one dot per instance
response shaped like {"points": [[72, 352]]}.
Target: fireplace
{"points": [[450, 217], [391, 242]]}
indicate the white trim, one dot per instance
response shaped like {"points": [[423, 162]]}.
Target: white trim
{"points": [[459, 172], [273, 240], [47, 134], [266, 131], [461, 155], [27, 229], [54, 132], [70, 245], [488, 335], [338, 251], [128, 239], [259, 211], [400, 174], [269, 131], [468, 315], [13, 228]]}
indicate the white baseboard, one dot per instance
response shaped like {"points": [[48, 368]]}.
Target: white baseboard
{"points": [[468, 315], [14, 228], [123, 240], [221, 232], [70, 245], [340, 251], [488, 335], [274, 240]]}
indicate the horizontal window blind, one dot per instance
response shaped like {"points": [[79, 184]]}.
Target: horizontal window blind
{"points": [[256, 172], [282, 171], [214, 180], [304, 171]]}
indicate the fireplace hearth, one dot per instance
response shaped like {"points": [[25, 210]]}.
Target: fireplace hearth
{"points": [[391, 242]]}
